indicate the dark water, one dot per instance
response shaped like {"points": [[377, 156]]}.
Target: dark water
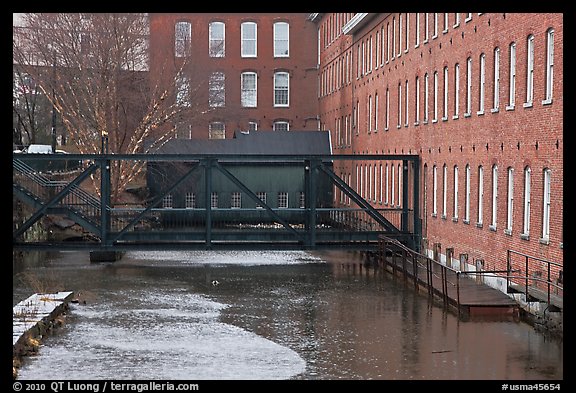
{"points": [[272, 315]]}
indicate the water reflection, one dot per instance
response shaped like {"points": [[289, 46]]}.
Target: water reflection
{"points": [[273, 315]]}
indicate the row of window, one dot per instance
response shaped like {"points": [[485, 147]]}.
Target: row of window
{"points": [[217, 39], [235, 200], [248, 90], [382, 183], [344, 126]]}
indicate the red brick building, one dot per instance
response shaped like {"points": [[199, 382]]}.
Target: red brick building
{"points": [[479, 97], [252, 71]]}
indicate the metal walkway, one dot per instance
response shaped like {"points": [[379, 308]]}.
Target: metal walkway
{"points": [[332, 212]]}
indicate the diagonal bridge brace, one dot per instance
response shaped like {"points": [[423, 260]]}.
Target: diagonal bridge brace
{"points": [[358, 199], [52, 202]]}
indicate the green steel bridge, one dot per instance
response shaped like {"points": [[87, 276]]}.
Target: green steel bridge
{"points": [[347, 220]]}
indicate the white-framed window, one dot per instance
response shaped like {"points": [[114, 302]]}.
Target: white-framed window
{"points": [[190, 200], [381, 182], [283, 200], [235, 200], [216, 130], [217, 90], [369, 178], [417, 31], [249, 37], [387, 184], [445, 106], [400, 35], [262, 196], [167, 202], [530, 71], [214, 200], [249, 93], [468, 87], [407, 35], [387, 114], [252, 125], [217, 39], [549, 66], [435, 113], [302, 198], [510, 201], [281, 125], [455, 202], [435, 29], [281, 39], [182, 91], [426, 29], [526, 218], [467, 194], [546, 204], [399, 185], [482, 83], [480, 218], [494, 196], [444, 190], [281, 89], [388, 38], [426, 100], [369, 114], [434, 190], [512, 77], [456, 19], [407, 98], [399, 105], [468, 17], [182, 39], [417, 101], [376, 111], [445, 29], [456, 90], [393, 187], [496, 84], [393, 37]]}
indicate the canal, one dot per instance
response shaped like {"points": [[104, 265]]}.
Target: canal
{"points": [[265, 316]]}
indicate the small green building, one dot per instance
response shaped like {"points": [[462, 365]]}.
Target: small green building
{"points": [[280, 184]]}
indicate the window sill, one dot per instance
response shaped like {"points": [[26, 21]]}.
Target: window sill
{"points": [[467, 114], [524, 236], [508, 232], [454, 219], [479, 225], [480, 113], [467, 222], [527, 105], [434, 121], [455, 117], [443, 216], [416, 123], [445, 118], [544, 241], [434, 215], [547, 101], [494, 110], [510, 107], [492, 228]]}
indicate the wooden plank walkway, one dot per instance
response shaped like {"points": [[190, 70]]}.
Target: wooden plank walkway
{"points": [[461, 291]]}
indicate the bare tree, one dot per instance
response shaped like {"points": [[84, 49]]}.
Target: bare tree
{"points": [[94, 70]]}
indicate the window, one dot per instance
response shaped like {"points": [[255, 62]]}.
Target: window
{"points": [[455, 213], [434, 190], [376, 112], [387, 180], [281, 89], [468, 87], [456, 19], [388, 43], [387, 114], [216, 130], [281, 39], [399, 185], [526, 225], [530, 72], [549, 66], [216, 33], [183, 38], [417, 33], [381, 182], [252, 126], [399, 35], [262, 197], [302, 200], [444, 189], [496, 98], [482, 83], [235, 200], [217, 89], [167, 201], [369, 114], [407, 35], [445, 29], [426, 94], [456, 90], [512, 81], [283, 200], [417, 101], [480, 195], [190, 200], [281, 125], [249, 39], [510, 202], [546, 206], [435, 118], [393, 199], [399, 105], [426, 30], [467, 195], [435, 29], [249, 91], [214, 200], [393, 38], [406, 105], [182, 91], [445, 107], [494, 196]]}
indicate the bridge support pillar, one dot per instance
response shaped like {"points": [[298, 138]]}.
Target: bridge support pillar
{"points": [[105, 256]]}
